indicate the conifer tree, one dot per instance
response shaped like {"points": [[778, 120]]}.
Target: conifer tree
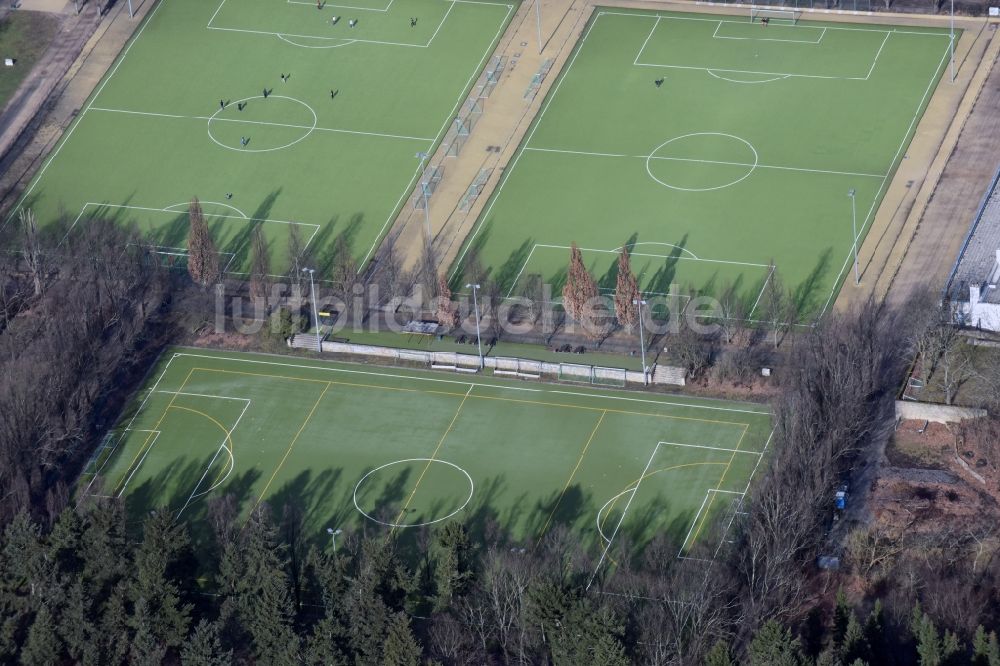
{"points": [[447, 312], [626, 292], [260, 263], [401, 648], [452, 566], [204, 648], [774, 646], [42, 646], [580, 288], [146, 650], [165, 543], [203, 259], [985, 648], [719, 655]]}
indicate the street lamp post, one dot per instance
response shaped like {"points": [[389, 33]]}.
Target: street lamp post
{"points": [[333, 537], [642, 340], [423, 192], [854, 227], [538, 22], [312, 290], [475, 304]]}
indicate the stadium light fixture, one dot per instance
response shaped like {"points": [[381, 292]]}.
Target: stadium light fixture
{"points": [[854, 226], [333, 536], [642, 340], [312, 290], [475, 304], [422, 156]]}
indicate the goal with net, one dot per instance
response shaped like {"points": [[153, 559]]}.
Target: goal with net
{"points": [[782, 16]]}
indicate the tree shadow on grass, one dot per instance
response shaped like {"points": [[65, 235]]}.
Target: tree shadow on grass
{"points": [[807, 297], [510, 269]]}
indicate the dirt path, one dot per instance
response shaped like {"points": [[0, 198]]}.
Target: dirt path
{"points": [[930, 203], [50, 98]]}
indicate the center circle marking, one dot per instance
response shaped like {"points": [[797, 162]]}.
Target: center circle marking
{"points": [[308, 130], [472, 489], [750, 167]]}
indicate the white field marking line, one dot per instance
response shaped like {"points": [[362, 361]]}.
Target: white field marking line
{"points": [[632, 254], [97, 472], [687, 537], [282, 35], [885, 180], [648, 37], [204, 395], [363, 9], [264, 123], [142, 405], [600, 511], [761, 294], [739, 505], [502, 387], [141, 460], [726, 78], [622, 519], [165, 210], [232, 462], [214, 203], [444, 128], [682, 249], [347, 42], [711, 448], [877, 54], [79, 119], [713, 20], [716, 35], [538, 121], [700, 161]]}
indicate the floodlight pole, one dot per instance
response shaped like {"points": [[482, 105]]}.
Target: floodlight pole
{"points": [[642, 340], [333, 537], [475, 304], [952, 40], [423, 191], [854, 226], [312, 290], [131, 14], [538, 22]]}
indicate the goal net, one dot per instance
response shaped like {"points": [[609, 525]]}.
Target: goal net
{"points": [[782, 16]]}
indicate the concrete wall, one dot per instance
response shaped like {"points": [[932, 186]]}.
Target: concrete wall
{"points": [[927, 411]]}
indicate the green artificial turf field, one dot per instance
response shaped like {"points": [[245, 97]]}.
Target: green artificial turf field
{"points": [[154, 134], [355, 446], [744, 154]]}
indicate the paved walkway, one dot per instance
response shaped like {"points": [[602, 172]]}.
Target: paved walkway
{"points": [[51, 97]]}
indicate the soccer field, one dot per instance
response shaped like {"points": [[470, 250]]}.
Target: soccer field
{"points": [[742, 155], [166, 124], [359, 447]]}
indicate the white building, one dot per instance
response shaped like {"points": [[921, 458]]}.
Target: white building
{"points": [[974, 284]]}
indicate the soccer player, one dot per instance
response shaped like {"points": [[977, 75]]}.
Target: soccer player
{"points": [[413, 22], [659, 82]]}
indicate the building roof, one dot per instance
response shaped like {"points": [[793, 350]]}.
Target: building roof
{"points": [[977, 261]]}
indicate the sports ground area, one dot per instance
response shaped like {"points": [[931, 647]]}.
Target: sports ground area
{"points": [[356, 447], [331, 150], [712, 146]]}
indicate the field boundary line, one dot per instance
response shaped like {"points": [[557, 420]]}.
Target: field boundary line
{"points": [[397, 208], [648, 37], [572, 475], [461, 383], [716, 35], [155, 427], [76, 122], [119, 491], [440, 443], [877, 54], [468, 242], [763, 288], [892, 166], [739, 505], [290, 446], [635, 490]]}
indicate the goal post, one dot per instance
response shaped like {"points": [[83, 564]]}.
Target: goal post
{"points": [[783, 16]]}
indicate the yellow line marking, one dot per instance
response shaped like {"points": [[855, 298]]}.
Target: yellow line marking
{"points": [[431, 459], [155, 427], [718, 486], [570, 479], [228, 441], [482, 397], [290, 445]]}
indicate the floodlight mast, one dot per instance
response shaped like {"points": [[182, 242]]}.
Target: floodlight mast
{"points": [[854, 226], [475, 304], [642, 340], [312, 291], [333, 537]]}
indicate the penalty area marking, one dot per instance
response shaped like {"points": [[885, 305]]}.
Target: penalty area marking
{"points": [[394, 525], [186, 204], [337, 6], [284, 38]]}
